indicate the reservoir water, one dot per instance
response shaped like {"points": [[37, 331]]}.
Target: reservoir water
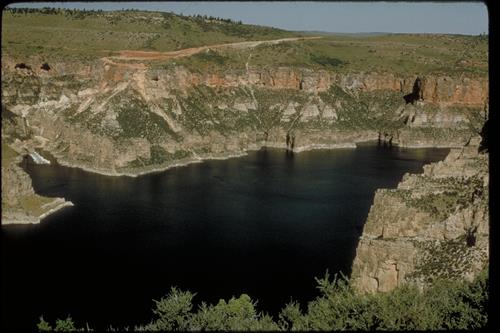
{"points": [[265, 224]]}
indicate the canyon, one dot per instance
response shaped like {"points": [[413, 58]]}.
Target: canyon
{"points": [[135, 113]]}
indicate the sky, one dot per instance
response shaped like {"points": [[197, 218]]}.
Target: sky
{"points": [[468, 18]]}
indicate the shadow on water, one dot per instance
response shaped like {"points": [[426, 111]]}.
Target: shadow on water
{"points": [[265, 224]]}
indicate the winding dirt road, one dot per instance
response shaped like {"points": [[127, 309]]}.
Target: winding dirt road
{"points": [[153, 55]]}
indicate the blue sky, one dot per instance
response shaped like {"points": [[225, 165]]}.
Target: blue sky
{"points": [[405, 17]]}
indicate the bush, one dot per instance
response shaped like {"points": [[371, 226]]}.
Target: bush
{"points": [[445, 305], [459, 305], [403, 309], [339, 307], [173, 311], [291, 319]]}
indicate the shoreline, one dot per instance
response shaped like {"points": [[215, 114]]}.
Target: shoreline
{"points": [[225, 156], [428, 146], [199, 159], [178, 163], [31, 220], [63, 204]]}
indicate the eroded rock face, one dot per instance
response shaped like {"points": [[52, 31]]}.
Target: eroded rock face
{"points": [[446, 90], [125, 118], [433, 225]]}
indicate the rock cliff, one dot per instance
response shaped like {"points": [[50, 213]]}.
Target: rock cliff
{"points": [[433, 225], [141, 116], [20, 204]]}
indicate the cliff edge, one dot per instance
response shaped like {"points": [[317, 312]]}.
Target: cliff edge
{"points": [[433, 225]]}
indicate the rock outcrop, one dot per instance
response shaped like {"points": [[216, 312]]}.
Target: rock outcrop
{"points": [[434, 225], [20, 203]]}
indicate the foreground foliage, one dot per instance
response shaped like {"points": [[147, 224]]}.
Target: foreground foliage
{"points": [[446, 304]]}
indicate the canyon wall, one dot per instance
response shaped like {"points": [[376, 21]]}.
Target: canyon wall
{"points": [[434, 225], [126, 117], [130, 117]]}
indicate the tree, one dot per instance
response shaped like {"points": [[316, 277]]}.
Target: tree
{"points": [[446, 304], [173, 311], [235, 315]]}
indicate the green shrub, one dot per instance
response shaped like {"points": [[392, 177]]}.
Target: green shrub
{"points": [[444, 305], [173, 311], [291, 318], [459, 305], [65, 325]]}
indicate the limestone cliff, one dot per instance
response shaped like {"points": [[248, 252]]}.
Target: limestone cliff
{"points": [[128, 117], [433, 225]]}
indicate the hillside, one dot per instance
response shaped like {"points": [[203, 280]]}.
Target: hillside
{"points": [[55, 34], [90, 34]]}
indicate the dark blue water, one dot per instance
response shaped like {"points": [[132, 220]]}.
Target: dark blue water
{"points": [[265, 224]]}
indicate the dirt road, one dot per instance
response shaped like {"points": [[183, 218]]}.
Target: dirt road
{"points": [[152, 55]]}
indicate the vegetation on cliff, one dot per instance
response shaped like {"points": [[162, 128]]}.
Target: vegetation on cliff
{"points": [[445, 305]]}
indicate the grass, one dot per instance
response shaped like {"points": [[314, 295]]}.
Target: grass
{"points": [[401, 55], [65, 32], [32, 204]]}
